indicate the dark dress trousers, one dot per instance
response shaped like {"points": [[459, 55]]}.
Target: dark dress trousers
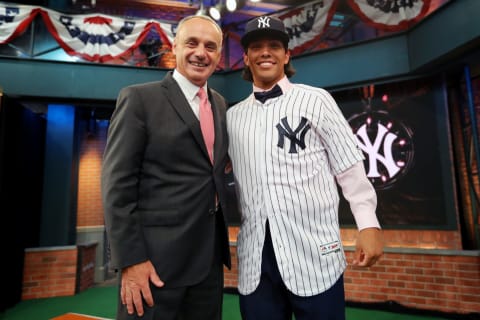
{"points": [[159, 187]]}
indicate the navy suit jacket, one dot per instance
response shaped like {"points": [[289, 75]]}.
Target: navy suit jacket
{"points": [[158, 185]]}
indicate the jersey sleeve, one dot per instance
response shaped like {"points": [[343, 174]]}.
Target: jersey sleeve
{"points": [[337, 136], [361, 196]]}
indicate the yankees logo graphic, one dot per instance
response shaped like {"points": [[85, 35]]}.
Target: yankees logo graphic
{"points": [[372, 150], [284, 130], [387, 145], [263, 22]]}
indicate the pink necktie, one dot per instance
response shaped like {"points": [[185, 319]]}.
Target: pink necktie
{"points": [[206, 122]]}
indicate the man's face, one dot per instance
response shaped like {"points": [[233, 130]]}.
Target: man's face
{"points": [[197, 48], [266, 59]]}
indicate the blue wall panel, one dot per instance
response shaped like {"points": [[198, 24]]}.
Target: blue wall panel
{"points": [[57, 216]]}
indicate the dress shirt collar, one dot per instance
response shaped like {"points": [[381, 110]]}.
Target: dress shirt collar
{"points": [[189, 89], [284, 84]]}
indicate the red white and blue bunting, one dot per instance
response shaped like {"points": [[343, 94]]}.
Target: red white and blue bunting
{"points": [[94, 37], [14, 20], [99, 38], [390, 15], [306, 24]]}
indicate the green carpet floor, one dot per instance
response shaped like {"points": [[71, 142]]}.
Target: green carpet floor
{"points": [[101, 302]]}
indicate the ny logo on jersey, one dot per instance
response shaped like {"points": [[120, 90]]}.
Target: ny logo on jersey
{"points": [[284, 130], [263, 22]]}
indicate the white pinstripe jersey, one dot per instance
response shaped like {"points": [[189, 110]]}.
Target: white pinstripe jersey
{"points": [[285, 154]]}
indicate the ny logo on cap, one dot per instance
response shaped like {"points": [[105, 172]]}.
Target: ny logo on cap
{"points": [[263, 22]]}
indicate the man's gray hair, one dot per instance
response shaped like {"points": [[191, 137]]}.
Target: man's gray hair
{"points": [[207, 18]]}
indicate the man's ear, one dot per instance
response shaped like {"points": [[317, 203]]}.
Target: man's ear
{"points": [[174, 46], [287, 56], [245, 59]]}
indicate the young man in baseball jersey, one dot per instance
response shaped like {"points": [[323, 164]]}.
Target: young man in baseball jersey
{"points": [[290, 145]]}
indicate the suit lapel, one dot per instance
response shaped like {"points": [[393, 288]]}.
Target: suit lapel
{"points": [[182, 107], [180, 104]]}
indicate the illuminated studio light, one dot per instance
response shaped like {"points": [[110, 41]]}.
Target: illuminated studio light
{"points": [[217, 11], [231, 5], [201, 11]]}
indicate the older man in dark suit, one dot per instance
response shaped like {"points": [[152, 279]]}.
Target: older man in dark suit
{"points": [[163, 186]]}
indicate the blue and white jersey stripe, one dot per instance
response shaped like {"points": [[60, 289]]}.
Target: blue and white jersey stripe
{"points": [[285, 155]]}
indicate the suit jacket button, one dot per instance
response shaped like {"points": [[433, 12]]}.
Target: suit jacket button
{"points": [[211, 212]]}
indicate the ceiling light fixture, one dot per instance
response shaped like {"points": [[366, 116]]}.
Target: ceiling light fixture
{"points": [[217, 8], [231, 5], [217, 11], [201, 11]]}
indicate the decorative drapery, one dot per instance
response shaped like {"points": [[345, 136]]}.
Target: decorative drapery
{"points": [[306, 24], [390, 15], [94, 37], [99, 38], [14, 20]]}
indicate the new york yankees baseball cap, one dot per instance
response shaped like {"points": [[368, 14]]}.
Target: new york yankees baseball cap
{"points": [[265, 26]]}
